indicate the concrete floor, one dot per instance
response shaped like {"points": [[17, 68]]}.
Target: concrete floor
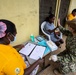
{"points": [[49, 70]]}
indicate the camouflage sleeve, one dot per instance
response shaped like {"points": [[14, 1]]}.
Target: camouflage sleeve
{"points": [[70, 55], [63, 56], [73, 47], [64, 31]]}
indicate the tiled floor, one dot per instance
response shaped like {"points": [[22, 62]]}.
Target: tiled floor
{"points": [[49, 70]]}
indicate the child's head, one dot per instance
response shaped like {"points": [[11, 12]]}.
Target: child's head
{"points": [[74, 12], [7, 31]]}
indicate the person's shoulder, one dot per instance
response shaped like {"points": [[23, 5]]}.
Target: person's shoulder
{"points": [[4, 48], [44, 22], [70, 16], [7, 51], [4, 54]]}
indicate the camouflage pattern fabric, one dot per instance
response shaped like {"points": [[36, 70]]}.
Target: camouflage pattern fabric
{"points": [[67, 58]]}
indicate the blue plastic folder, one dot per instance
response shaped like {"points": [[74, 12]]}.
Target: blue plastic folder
{"points": [[43, 43]]}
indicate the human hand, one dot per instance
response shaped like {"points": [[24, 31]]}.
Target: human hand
{"points": [[53, 58], [56, 34]]}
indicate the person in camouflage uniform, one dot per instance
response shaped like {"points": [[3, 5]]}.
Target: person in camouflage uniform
{"points": [[67, 58]]}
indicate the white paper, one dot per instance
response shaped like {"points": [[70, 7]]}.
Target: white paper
{"points": [[37, 52], [27, 49], [52, 45], [30, 60]]}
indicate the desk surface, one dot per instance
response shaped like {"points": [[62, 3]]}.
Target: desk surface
{"points": [[47, 50]]}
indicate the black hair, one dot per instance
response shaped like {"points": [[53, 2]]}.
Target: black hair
{"points": [[10, 26], [49, 17], [74, 10]]}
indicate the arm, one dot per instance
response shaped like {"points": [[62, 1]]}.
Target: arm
{"points": [[32, 67], [18, 47], [70, 53], [52, 30], [57, 34], [63, 30], [14, 67], [72, 48], [49, 27], [63, 53]]}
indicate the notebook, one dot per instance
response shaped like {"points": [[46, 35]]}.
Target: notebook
{"points": [[33, 51], [27, 49]]}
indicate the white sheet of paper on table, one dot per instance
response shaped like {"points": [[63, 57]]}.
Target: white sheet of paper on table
{"points": [[37, 52], [27, 49]]}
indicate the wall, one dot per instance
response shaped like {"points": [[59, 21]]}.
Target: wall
{"points": [[72, 6], [25, 14], [45, 8]]}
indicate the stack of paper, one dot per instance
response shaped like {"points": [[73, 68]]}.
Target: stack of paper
{"points": [[33, 51]]}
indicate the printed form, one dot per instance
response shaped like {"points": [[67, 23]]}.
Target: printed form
{"points": [[33, 51], [37, 52], [27, 49]]}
